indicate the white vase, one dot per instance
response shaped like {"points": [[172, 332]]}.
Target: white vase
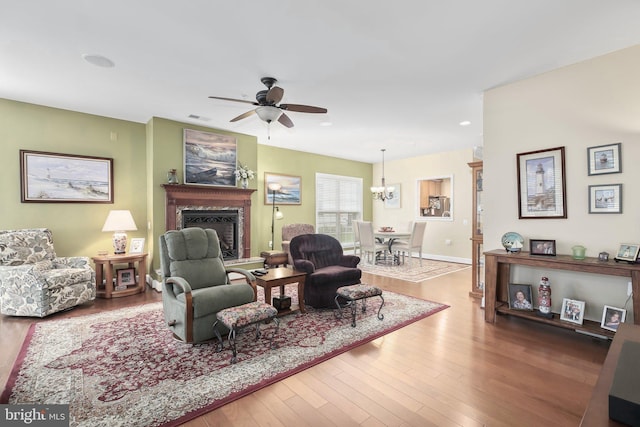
{"points": [[245, 183]]}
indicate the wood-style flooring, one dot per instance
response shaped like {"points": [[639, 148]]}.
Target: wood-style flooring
{"points": [[450, 369]]}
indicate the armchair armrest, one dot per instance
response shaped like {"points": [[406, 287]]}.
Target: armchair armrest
{"points": [[349, 261], [249, 277], [71, 262], [304, 265], [180, 283], [25, 276]]}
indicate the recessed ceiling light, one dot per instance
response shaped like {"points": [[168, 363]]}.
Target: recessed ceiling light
{"points": [[98, 60], [326, 124], [465, 123]]}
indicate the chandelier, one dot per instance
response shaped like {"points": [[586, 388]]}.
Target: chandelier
{"points": [[382, 193]]}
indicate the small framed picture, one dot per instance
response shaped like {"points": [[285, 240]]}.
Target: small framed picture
{"points": [[572, 311], [605, 198], [520, 297], [126, 277], [604, 159], [628, 252], [612, 317], [137, 245], [542, 247]]}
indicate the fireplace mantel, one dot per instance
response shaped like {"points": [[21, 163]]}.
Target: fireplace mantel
{"points": [[199, 195]]}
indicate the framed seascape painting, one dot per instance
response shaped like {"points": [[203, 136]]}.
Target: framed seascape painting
{"points": [[65, 178], [604, 159], [209, 158], [290, 189], [541, 184]]}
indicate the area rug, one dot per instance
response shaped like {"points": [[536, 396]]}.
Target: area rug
{"points": [[413, 271], [123, 368]]}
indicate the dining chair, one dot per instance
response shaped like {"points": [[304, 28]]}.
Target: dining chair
{"points": [[414, 242], [369, 246], [356, 238]]}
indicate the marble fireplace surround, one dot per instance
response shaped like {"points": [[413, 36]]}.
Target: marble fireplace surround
{"points": [[179, 197]]}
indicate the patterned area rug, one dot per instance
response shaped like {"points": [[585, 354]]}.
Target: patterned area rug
{"points": [[123, 368], [413, 271]]}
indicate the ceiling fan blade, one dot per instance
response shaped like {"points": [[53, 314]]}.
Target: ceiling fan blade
{"points": [[243, 116], [303, 108], [235, 100], [285, 120], [275, 95]]}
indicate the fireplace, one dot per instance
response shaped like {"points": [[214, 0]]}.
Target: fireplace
{"points": [[224, 222], [226, 210]]}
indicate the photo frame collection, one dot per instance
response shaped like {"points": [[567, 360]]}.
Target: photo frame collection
{"points": [[603, 160], [542, 247]]}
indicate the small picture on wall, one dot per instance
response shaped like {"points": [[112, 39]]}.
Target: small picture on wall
{"points": [[612, 317], [572, 311], [604, 159]]}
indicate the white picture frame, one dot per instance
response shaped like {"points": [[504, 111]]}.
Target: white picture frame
{"points": [[572, 311], [137, 245], [612, 317]]}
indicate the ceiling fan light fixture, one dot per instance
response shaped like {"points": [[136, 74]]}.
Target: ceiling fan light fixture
{"points": [[268, 113]]}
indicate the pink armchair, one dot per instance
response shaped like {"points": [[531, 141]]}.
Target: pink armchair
{"points": [[289, 231]]}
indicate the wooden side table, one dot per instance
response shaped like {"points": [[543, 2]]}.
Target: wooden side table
{"points": [[105, 268], [279, 277]]}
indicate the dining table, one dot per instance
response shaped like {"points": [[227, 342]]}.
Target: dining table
{"points": [[388, 237]]}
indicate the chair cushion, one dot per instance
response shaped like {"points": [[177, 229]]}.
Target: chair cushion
{"points": [[61, 277], [335, 274]]}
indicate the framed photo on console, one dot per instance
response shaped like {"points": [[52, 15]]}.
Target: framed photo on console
{"points": [[612, 317], [628, 252], [542, 247], [126, 277], [572, 311], [137, 245], [520, 297]]}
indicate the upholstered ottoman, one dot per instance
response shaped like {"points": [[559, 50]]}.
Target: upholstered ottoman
{"points": [[274, 258], [236, 318], [354, 293]]}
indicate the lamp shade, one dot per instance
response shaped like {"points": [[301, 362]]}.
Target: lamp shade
{"points": [[268, 113], [119, 221]]}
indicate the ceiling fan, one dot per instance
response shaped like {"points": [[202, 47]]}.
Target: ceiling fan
{"points": [[267, 105]]}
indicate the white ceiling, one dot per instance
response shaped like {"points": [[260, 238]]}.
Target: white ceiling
{"points": [[397, 75]]}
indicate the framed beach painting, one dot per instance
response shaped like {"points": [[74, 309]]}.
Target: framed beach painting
{"points": [[209, 158], [290, 189], [65, 178]]}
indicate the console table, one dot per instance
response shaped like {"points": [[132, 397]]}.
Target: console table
{"points": [[498, 271], [597, 412]]}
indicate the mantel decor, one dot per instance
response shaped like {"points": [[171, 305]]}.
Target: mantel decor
{"points": [[541, 184], [65, 178]]}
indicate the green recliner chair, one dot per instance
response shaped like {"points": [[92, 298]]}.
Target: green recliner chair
{"points": [[196, 283]]}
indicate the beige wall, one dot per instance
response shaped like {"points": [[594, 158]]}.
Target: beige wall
{"points": [[407, 172], [592, 103]]}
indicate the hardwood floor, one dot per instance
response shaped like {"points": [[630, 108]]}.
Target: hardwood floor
{"points": [[450, 369]]}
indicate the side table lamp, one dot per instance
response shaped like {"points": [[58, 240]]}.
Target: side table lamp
{"points": [[119, 221]]}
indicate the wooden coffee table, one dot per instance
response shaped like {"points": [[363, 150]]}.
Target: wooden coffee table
{"points": [[279, 277]]}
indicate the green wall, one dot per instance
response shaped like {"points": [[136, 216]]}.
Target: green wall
{"points": [[142, 154], [76, 227]]}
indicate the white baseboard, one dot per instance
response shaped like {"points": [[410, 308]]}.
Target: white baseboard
{"points": [[446, 258]]}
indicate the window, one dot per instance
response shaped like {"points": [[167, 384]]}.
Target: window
{"points": [[338, 204]]}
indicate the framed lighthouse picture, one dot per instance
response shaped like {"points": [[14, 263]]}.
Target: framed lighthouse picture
{"points": [[541, 184]]}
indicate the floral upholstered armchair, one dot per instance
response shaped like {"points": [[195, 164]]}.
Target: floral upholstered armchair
{"points": [[34, 281]]}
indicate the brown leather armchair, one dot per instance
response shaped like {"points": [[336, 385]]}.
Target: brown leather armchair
{"points": [[327, 267]]}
